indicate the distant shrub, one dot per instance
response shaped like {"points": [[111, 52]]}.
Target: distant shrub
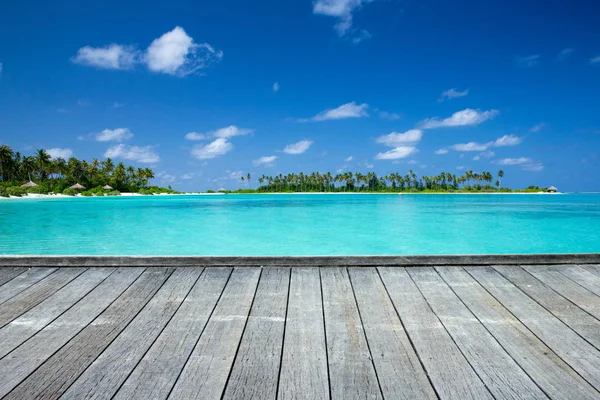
{"points": [[15, 191], [113, 193], [69, 192], [210, 191]]}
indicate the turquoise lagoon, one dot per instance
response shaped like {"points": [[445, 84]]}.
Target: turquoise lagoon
{"points": [[302, 225]]}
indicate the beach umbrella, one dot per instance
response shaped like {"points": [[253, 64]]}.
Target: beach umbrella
{"points": [[107, 187], [29, 184], [78, 186], [552, 189]]}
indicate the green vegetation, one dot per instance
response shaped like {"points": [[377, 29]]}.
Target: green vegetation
{"points": [[445, 182], [58, 175]]}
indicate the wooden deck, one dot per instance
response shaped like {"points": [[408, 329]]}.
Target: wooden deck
{"points": [[449, 332]]}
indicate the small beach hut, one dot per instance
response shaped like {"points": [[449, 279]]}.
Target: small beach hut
{"points": [[29, 184], [551, 189], [77, 186], [107, 187]]}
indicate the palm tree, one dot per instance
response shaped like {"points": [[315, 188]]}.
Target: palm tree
{"points": [[27, 165], [6, 158], [500, 176], [42, 159], [248, 177]]}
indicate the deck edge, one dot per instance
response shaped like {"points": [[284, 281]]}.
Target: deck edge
{"points": [[323, 261]]}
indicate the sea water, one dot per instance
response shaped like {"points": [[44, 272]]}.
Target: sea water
{"points": [[302, 225]]}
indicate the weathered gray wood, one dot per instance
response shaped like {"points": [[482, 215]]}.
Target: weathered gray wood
{"points": [[104, 377], [593, 268], [449, 371], [585, 278], [296, 261], [9, 273], [256, 367], [400, 373], [548, 288], [155, 375], [574, 350], [28, 324], [17, 365], [304, 363], [205, 374], [35, 294], [351, 371], [23, 281], [59, 371], [501, 374], [548, 370]]}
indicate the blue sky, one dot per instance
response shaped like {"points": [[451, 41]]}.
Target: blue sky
{"points": [[204, 91]]}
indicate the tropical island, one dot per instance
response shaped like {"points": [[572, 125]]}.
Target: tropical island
{"points": [[39, 174], [356, 182]]}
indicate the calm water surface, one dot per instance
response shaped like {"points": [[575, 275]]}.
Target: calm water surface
{"points": [[302, 225]]}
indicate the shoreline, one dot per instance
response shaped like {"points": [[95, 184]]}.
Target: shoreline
{"points": [[33, 196]]}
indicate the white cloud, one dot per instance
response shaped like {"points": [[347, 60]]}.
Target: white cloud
{"points": [[348, 110], [395, 139], [487, 154], [369, 166], [341, 9], [529, 61], [398, 152], [144, 154], [266, 161], [476, 158], [348, 159], [298, 148], [165, 178], [226, 133], [452, 94], [188, 176], [339, 170], [1, 66], [538, 127], [216, 148], [565, 53], [196, 136], [59, 153], [114, 135], [113, 56], [176, 53], [507, 140], [526, 163], [515, 161], [116, 104], [471, 146], [362, 35], [460, 167], [389, 115], [276, 87], [231, 131], [595, 60], [441, 151], [467, 117]]}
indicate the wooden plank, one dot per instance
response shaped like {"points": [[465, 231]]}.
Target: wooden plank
{"points": [[585, 278], [23, 281], [566, 343], [58, 372], [593, 268], [17, 365], [205, 374], [351, 371], [255, 370], [503, 377], [548, 288], [9, 273], [449, 371], [547, 369], [304, 362], [104, 377], [401, 376], [28, 324], [35, 294], [155, 375]]}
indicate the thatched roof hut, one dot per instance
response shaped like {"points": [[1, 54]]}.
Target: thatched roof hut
{"points": [[77, 186], [107, 187], [29, 184], [551, 189]]}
